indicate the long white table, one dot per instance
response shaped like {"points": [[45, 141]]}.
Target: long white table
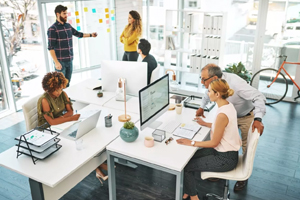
{"points": [[171, 158], [53, 177]]}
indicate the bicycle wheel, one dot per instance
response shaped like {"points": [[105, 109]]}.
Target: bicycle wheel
{"points": [[277, 91]]}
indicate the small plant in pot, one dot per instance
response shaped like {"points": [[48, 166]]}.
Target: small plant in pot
{"points": [[100, 94], [129, 132], [240, 70]]}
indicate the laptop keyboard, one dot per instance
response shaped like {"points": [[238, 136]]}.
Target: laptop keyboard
{"points": [[73, 134]]}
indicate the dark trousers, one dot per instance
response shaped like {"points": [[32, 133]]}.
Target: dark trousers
{"points": [[66, 69], [207, 160], [130, 56]]}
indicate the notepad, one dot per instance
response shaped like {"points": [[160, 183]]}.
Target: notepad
{"points": [[187, 130]]}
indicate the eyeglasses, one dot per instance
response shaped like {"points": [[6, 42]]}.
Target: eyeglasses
{"points": [[206, 79], [168, 140]]}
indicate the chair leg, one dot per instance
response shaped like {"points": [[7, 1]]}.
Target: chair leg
{"points": [[226, 193]]}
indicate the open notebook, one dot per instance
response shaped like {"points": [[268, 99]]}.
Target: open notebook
{"points": [[187, 130]]}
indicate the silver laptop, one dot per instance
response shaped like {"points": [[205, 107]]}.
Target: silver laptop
{"points": [[82, 127]]}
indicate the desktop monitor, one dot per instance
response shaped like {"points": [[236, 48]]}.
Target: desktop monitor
{"points": [[135, 74], [154, 101]]}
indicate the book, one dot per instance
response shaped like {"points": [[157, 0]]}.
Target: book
{"points": [[187, 130]]}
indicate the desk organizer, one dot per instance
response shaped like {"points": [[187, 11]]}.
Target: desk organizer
{"points": [[195, 102], [39, 143], [159, 135]]}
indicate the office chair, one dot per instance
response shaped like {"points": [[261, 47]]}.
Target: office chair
{"points": [[155, 74], [243, 169], [30, 112]]}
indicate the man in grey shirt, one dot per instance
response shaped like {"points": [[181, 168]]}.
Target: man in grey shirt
{"points": [[248, 102]]}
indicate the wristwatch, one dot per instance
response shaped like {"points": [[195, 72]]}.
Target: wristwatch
{"points": [[257, 119], [193, 143], [90, 35]]}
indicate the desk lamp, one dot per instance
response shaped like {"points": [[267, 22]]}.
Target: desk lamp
{"points": [[124, 118], [173, 84]]}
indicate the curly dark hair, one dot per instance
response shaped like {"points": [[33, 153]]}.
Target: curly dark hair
{"points": [[53, 81]]}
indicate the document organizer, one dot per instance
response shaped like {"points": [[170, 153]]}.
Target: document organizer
{"points": [[195, 102], [42, 143]]}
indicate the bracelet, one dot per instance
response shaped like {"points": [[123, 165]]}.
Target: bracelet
{"points": [[257, 119], [90, 35]]}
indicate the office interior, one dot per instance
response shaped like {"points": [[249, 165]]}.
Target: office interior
{"points": [[255, 32]]}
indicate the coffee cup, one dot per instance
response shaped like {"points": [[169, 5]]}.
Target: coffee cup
{"points": [[178, 108], [149, 141]]}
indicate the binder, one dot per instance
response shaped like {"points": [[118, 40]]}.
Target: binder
{"points": [[220, 24], [193, 62], [210, 44], [207, 24], [188, 22], [195, 21], [203, 61], [204, 46], [217, 46], [215, 20], [198, 64]]}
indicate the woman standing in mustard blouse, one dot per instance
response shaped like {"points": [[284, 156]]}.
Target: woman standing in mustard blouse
{"points": [[130, 36]]}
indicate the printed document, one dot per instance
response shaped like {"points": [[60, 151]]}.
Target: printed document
{"points": [[187, 130]]}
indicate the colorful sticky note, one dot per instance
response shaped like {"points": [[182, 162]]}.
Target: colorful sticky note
{"points": [[107, 21], [108, 30], [70, 21], [106, 9], [69, 14], [76, 13], [77, 21], [100, 20], [93, 10], [78, 28], [107, 15], [112, 11], [85, 9], [113, 18]]}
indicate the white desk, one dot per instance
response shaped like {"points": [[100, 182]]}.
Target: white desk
{"points": [[171, 158], [83, 92], [132, 104], [54, 176]]}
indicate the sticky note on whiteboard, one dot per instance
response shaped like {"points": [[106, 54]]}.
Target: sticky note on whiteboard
{"points": [[69, 14], [107, 21], [85, 9], [112, 11], [78, 28], [107, 15], [94, 10], [70, 21], [76, 13], [108, 30], [77, 21], [106, 9], [100, 20], [113, 18]]}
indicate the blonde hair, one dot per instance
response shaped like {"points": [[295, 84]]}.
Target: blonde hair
{"points": [[221, 86], [136, 25]]}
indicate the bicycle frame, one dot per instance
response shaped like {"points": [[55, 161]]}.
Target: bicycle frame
{"points": [[282, 68]]}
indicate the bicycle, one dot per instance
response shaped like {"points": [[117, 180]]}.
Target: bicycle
{"points": [[273, 84]]}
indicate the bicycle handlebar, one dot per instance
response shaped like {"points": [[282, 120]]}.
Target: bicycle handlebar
{"points": [[283, 56]]}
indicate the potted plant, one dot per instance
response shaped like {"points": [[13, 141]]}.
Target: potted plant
{"points": [[100, 94], [240, 70], [129, 132]]}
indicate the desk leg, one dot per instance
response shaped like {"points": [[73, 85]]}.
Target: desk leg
{"points": [[36, 188], [179, 185], [111, 176]]}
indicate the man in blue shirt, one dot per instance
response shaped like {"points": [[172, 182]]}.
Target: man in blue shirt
{"points": [[143, 49], [60, 42]]}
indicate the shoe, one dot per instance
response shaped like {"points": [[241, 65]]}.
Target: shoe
{"points": [[101, 177], [240, 185], [213, 179]]}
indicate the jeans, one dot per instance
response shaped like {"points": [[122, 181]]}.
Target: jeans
{"points": [[130, 56], [66, 69]]}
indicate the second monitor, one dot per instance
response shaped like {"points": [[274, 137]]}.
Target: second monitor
{"points": [[135, 74]]}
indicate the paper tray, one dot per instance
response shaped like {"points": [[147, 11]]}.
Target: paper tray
{"points": [[195, 102]]}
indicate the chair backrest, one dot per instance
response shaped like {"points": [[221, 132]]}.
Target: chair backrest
{"points": [[248, 157], [155, 74], [30, 112]]}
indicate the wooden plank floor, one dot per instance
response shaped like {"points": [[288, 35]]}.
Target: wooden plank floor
{"points": [[276, 174]]}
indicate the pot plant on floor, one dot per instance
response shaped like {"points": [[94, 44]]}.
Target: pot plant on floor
{"points": [[240, 70], [129, 132]]}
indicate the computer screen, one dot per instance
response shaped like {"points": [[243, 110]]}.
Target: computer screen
{"points": [[154, 101], [135, 74]]}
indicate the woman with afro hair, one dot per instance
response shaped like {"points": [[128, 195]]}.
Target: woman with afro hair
{"points": [[54, 106]]}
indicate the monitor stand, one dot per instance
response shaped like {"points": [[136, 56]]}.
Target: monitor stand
{"points": [[155, 124]]}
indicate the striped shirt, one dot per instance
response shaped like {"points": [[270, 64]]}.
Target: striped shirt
{"points": [[60, 40]]}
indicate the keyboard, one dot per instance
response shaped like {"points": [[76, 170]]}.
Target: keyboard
{"points": [[73, 134], [171, 126]]}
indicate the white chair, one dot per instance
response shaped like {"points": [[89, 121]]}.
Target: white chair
{"points": [[155, 74], [243, 169], [30, 112]]}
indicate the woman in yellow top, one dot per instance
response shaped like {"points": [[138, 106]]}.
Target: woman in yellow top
{"points": [[130, 36]]}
